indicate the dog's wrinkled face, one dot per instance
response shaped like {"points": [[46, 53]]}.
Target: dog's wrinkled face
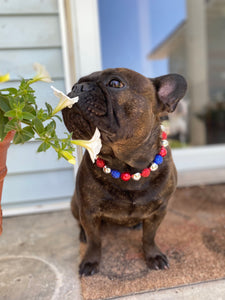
{"points": [[123, 104], [109, 100]]}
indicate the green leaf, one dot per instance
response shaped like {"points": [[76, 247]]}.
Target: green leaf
{"points": [[3, 122], [30, 98], [42, 115], [43, 147], [50, 128], [12, 102], [21, 104], [58, 117], [18, 138], [11, 125], [28, 116], [19, 115], [28, 130], [23, 84], [11, 113], [38, 125], [11, 91], [30, 90], [29, 108], [4, 104], [28, 133], [23, 135], [49, 108]]}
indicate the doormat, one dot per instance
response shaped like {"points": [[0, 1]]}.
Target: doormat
{"points": [[192, 235]]}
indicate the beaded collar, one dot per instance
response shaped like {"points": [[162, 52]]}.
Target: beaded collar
{"points": [[158, 160]]}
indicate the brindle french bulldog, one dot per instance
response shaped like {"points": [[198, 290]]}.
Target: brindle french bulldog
{"points": [[126, 108]]}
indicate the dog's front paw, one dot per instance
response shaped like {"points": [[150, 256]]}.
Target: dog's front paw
{"points": [[88, 268], [155, 259], [158, 262]]}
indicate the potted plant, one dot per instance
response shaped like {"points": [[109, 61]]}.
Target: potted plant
{"points": [[213, 116], [22, 120]]}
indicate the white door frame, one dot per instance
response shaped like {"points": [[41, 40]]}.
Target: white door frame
{"points": [[80, 38], [80, 34]]}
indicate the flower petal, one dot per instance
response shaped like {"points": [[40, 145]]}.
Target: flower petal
{"points": [[65, 101], [4, 78], [68, 156], [42, 73], [93, 145]]}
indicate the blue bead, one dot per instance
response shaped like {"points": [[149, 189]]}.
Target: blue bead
{"points": [[158, 159], [115, 174]]}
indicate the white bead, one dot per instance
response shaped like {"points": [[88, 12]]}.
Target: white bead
{"points": [[106, 170], [164, 143], [154, 167], [136, 176], [163, 128]]}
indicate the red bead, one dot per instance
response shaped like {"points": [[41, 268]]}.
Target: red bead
{"points": [[125, 176], [164, 135], [145, 172], [100, 162], [163, 151]]}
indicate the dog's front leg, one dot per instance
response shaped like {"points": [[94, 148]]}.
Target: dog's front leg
{"points": [[91, 260], [155, 259]]}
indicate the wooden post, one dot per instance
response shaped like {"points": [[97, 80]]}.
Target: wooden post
{"points": [[197, 67]]}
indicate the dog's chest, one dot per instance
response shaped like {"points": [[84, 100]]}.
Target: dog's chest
{"points": [[127, 207]]}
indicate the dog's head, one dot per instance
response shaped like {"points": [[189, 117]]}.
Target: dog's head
{"points": [[123, 104]]}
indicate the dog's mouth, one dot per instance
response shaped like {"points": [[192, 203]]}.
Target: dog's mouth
{"points": [[92, 110], [77, 123]]}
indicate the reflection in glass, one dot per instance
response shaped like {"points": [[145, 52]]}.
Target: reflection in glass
{"points": [[178, 36]]}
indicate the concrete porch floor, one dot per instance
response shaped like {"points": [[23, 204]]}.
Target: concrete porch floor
{"points": [[39, 256]]}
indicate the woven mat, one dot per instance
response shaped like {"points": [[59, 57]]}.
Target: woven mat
{"points": [[192, 235]]}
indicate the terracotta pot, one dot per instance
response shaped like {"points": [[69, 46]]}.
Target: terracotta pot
{"points": [[4, 145]]}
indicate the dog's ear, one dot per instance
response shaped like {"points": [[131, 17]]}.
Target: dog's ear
{"points": [[169, 89]]}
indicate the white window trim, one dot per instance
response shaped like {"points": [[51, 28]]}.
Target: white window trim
{"points": [[200, 165]]}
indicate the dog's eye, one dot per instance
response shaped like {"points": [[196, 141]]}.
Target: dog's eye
{"points": [[115, 83]]}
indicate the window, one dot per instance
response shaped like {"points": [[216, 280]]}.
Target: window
{"points": [[185, 37], [160, 37]]}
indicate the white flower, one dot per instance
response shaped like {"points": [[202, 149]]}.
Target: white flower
{"points": [[64, 101], [42, 73], [93, 145]]}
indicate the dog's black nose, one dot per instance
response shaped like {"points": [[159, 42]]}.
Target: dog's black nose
{"points": [[79, 88]]}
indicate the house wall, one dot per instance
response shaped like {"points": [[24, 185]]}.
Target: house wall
{"points": [[177, 60], [30, 32], [216, 54]]}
